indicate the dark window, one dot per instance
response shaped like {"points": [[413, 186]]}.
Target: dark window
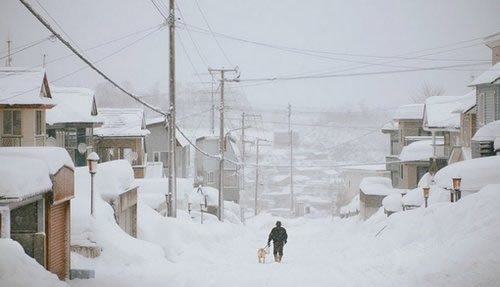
{"points": [[39, 127], [12, 122]]}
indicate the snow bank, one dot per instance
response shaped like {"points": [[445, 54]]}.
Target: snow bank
{"points": [[489, 132], [119, 250], [352, 207], [393, 202], [23, 177], [114, 178], [462, 239], [18, 269], [475, 173], [152, 191], [376, 186]]}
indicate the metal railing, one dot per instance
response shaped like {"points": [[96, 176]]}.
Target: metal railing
{"points": [[11, 140]]}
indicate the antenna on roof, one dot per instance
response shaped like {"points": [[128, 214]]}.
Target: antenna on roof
{"points": [[44, 60], [9, 58]]}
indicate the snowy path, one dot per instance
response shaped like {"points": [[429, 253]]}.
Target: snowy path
{"points": [[418, 248]]}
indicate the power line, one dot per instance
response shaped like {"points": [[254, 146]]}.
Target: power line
{"points": [[27, 47], [212, 33], [92, 66], [203, 59]]}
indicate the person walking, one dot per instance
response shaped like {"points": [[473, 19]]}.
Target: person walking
{"points": [[279, 237]]}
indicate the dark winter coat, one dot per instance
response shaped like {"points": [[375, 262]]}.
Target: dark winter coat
{"points": [[278, 234]]}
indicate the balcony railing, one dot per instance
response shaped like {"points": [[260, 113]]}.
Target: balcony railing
{"points": [[11, 140], [40, 140]]}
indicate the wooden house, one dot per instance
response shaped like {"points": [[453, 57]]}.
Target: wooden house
{"points": [[35, 202], [24, 98], [71, 122], [122, 136]]}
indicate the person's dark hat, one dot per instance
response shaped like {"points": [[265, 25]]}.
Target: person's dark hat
{"points": [[278, 223]]}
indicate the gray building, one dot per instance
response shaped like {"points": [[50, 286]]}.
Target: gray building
{"points": [[487, 102], [157, 147], [207, 168]]}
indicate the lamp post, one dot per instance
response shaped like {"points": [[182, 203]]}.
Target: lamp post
{"points": [[456, 187], [92, 160], [426, 195]]}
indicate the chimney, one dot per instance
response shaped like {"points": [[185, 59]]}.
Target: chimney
{"points": [[493, 42]]}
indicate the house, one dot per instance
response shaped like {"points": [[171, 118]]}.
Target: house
{"points": [[35, 201], [24, 98], [207, 168], [467, 111], [487, 98], [122, 136], [442, 120], [372, 191], [352, 177], [157, 147], [405, 124], [414, 162], [71, 122]]}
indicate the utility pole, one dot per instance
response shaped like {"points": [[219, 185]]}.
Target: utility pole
{"points": [[243, 151], [257, 142], [172, 186], [9, 58], [220, 211], [212, 110], [292, 201]]}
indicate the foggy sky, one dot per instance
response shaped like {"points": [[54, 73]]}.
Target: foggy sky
{"points": [[376, 28]]}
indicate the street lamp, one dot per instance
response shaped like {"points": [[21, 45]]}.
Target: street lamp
{"points": [[426, 195], [92, 160], [456, 187]]}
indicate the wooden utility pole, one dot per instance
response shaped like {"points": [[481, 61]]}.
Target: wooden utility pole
{"points": [[292, 200], [243, 151], [172, 181], [220, 211], [257, 144], [212, 110]]}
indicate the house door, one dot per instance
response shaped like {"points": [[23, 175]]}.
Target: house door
{"points": [[58, 254]]}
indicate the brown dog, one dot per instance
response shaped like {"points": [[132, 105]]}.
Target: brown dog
{"points": [[261, 255]]}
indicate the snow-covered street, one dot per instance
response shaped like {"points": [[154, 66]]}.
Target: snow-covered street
{"points": [[425, 246]]}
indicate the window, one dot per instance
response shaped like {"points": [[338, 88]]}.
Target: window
{"points": [[156, 156], [210, 177], [12, 123], [107, 154], [129, 155], [39, 125]]}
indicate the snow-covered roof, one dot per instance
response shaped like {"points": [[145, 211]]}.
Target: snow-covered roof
{"points": [[121, 123], [23, 177], [392, 125], [490, 76], [370, 167], [467, 104], [54, 157], [417, 151], [155, 120], [440, 111], [74, 105], [475, 173], [488, 132], [409, 112], [376, 186], [23, 86]]}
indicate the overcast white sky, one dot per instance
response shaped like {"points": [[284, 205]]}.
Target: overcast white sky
{"points": [[384, 28]]}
